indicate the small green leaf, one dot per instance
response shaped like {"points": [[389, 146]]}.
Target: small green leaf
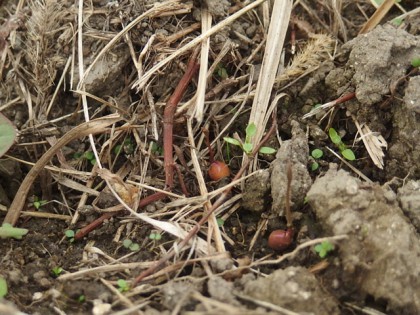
{"points": [[69, 233], [3, 287], [267, 150], [7, 134], [222, 72], [324, 248], [7, 231], [89, 155], [127, 243], [122, 285], [117, 149], [397, 21], [250, 131], [317, 153], [335, 138], [348, 154], [232, 141], [81, 298], [57, 271], [314, 166], [247, 147], [220, 222], [415, 62], [134, 247]]}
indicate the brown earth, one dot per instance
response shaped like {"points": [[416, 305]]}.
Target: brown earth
{"points": [[368, 212]]}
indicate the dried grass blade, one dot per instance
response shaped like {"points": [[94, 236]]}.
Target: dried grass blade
{"points": [[83, 130]]}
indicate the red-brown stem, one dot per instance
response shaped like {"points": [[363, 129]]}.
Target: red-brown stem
{"points": [[107, 215], [345, 98], [206, 216], [168, 122], [207, 137], [181, 180]]}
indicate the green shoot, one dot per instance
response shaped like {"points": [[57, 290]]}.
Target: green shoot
{"points": [[248, 146], [39, 203], [155, 236], [127, 147], [415, 62], [3, 287], [129, 244], [316, 154], [81, 298], [122, 285], [221, 71], [90, 156], [348, 154], [220, 222], [324, 248], [7, 134], [70, 235], [156, 149], [8, 231], [57, 271]]}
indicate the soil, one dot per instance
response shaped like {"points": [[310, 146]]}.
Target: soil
{"points": [[366, 211]]}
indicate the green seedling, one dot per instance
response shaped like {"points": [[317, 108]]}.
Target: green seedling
{"points": [[247, 146], [7, 134], [8, 231], [90, 156], [134, 247], [348, 154], [415, 62], [3, 287], [155, 236], [70, 235], [127, 147], [57, 271], [39, 203], [316, 154], [324, 248], [156, 149], [122, 285], [220, 222], [81, 298], [221, 71]]}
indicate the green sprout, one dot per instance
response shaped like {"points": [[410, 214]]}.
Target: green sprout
{"points": [[324, 248], [122, 285], [81, 298], [134, 247], [221, 71], [8, 231], [90, 156], [220, 222], [39, 203], [316, 154], [70, 235], [348, 154], [127, 147], [57, 271], [248, 146], [7, 134], [156, 148], [155, 236], [415, 62], [3, 287]]}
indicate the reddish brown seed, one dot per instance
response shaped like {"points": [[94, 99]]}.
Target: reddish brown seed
{"points": [[218, 170], [280, 239]]}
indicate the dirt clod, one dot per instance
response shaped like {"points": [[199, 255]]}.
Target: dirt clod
{"points": [[295, 289], [380, 257]]}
